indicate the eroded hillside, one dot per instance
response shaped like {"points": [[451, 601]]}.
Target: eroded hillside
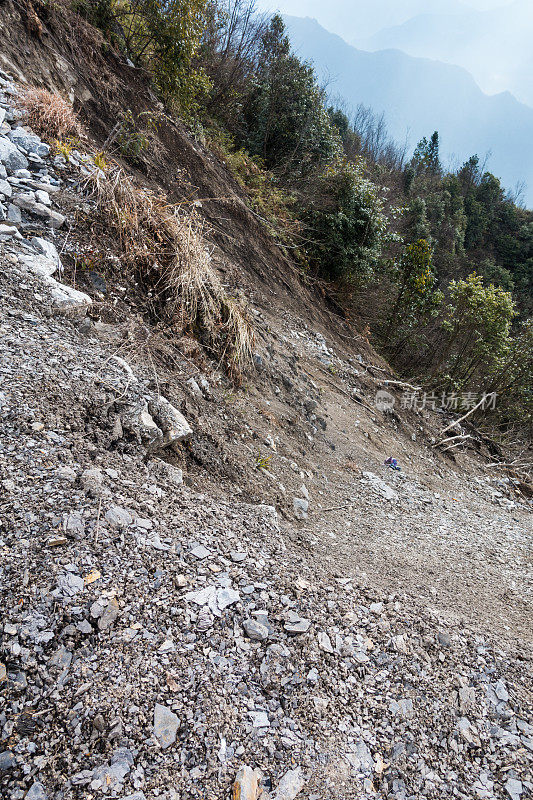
{"points": [[212, 582]]}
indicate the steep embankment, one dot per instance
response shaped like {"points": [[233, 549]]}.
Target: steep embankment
{"points": [[259, 591]]}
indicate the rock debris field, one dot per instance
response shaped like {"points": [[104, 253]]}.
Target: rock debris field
{"points": [[158, 642]]}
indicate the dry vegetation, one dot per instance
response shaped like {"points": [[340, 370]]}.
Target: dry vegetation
{"points": [[165, 249], [49, 115]]}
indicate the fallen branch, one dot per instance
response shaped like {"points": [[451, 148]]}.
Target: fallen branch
{"points": [[372, 366], [468, 413], [458, 444], [449, 439], [333, 508], [509, 465], [112, 136], [403, 385]]}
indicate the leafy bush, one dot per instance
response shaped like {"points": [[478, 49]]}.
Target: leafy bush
{"points": [[513, 382], [475, 331], [133, 136], [285, 117], [274, 206], [417, 298], [100, 13], [347, 227], [165, 35]]}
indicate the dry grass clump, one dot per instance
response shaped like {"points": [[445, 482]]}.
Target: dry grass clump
{"points": [[166, 250], [48, 114]]}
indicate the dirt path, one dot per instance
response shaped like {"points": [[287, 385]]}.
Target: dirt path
{"points": [[460, 554], [453, 537]]}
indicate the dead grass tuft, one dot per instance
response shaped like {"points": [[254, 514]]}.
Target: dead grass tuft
{"points": [[49, 115], [165, 248]]}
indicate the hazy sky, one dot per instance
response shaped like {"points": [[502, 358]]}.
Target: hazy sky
{"points": [[365, 17]]}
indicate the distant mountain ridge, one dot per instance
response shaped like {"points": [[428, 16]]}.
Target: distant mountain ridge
{"points": [[419, 96], [364, 19], [494, 45]]}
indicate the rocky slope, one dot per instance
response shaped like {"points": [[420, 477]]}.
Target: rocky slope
{"points": [[205, 587]]}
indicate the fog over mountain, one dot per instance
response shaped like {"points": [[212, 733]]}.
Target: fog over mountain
{"points": [[419, 96], [356, 19], [494, 45]]}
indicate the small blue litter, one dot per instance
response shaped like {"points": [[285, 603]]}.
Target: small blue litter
{"points": [[392, 463]]}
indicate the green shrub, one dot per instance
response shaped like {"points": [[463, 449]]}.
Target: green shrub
{"points": [[347, 227], [475, 330]]}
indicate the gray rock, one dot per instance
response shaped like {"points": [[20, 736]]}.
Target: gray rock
{"points": [[173, 424], [137, 420], [255, 630], [200, 552], [112, 775], [7, 760], [312, 676], [227, 597], [5, 188], [28, 203], [62, 658], [295, 624], [194, 388], [84, 627], [50, 188], [301, 506], [380, 487], [66, 300], [13, 214], [47, 249], [324, 642], [29, 141], [69, 585], [118, 517], [501, 692], [39, 265], [37, 792], [166, 725], [259, 719], [109, 615], [11, 157], [74, 525], [43, 197], [290, 785], [9, 231], [514, 788], [467, 698], [92, 481]]}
